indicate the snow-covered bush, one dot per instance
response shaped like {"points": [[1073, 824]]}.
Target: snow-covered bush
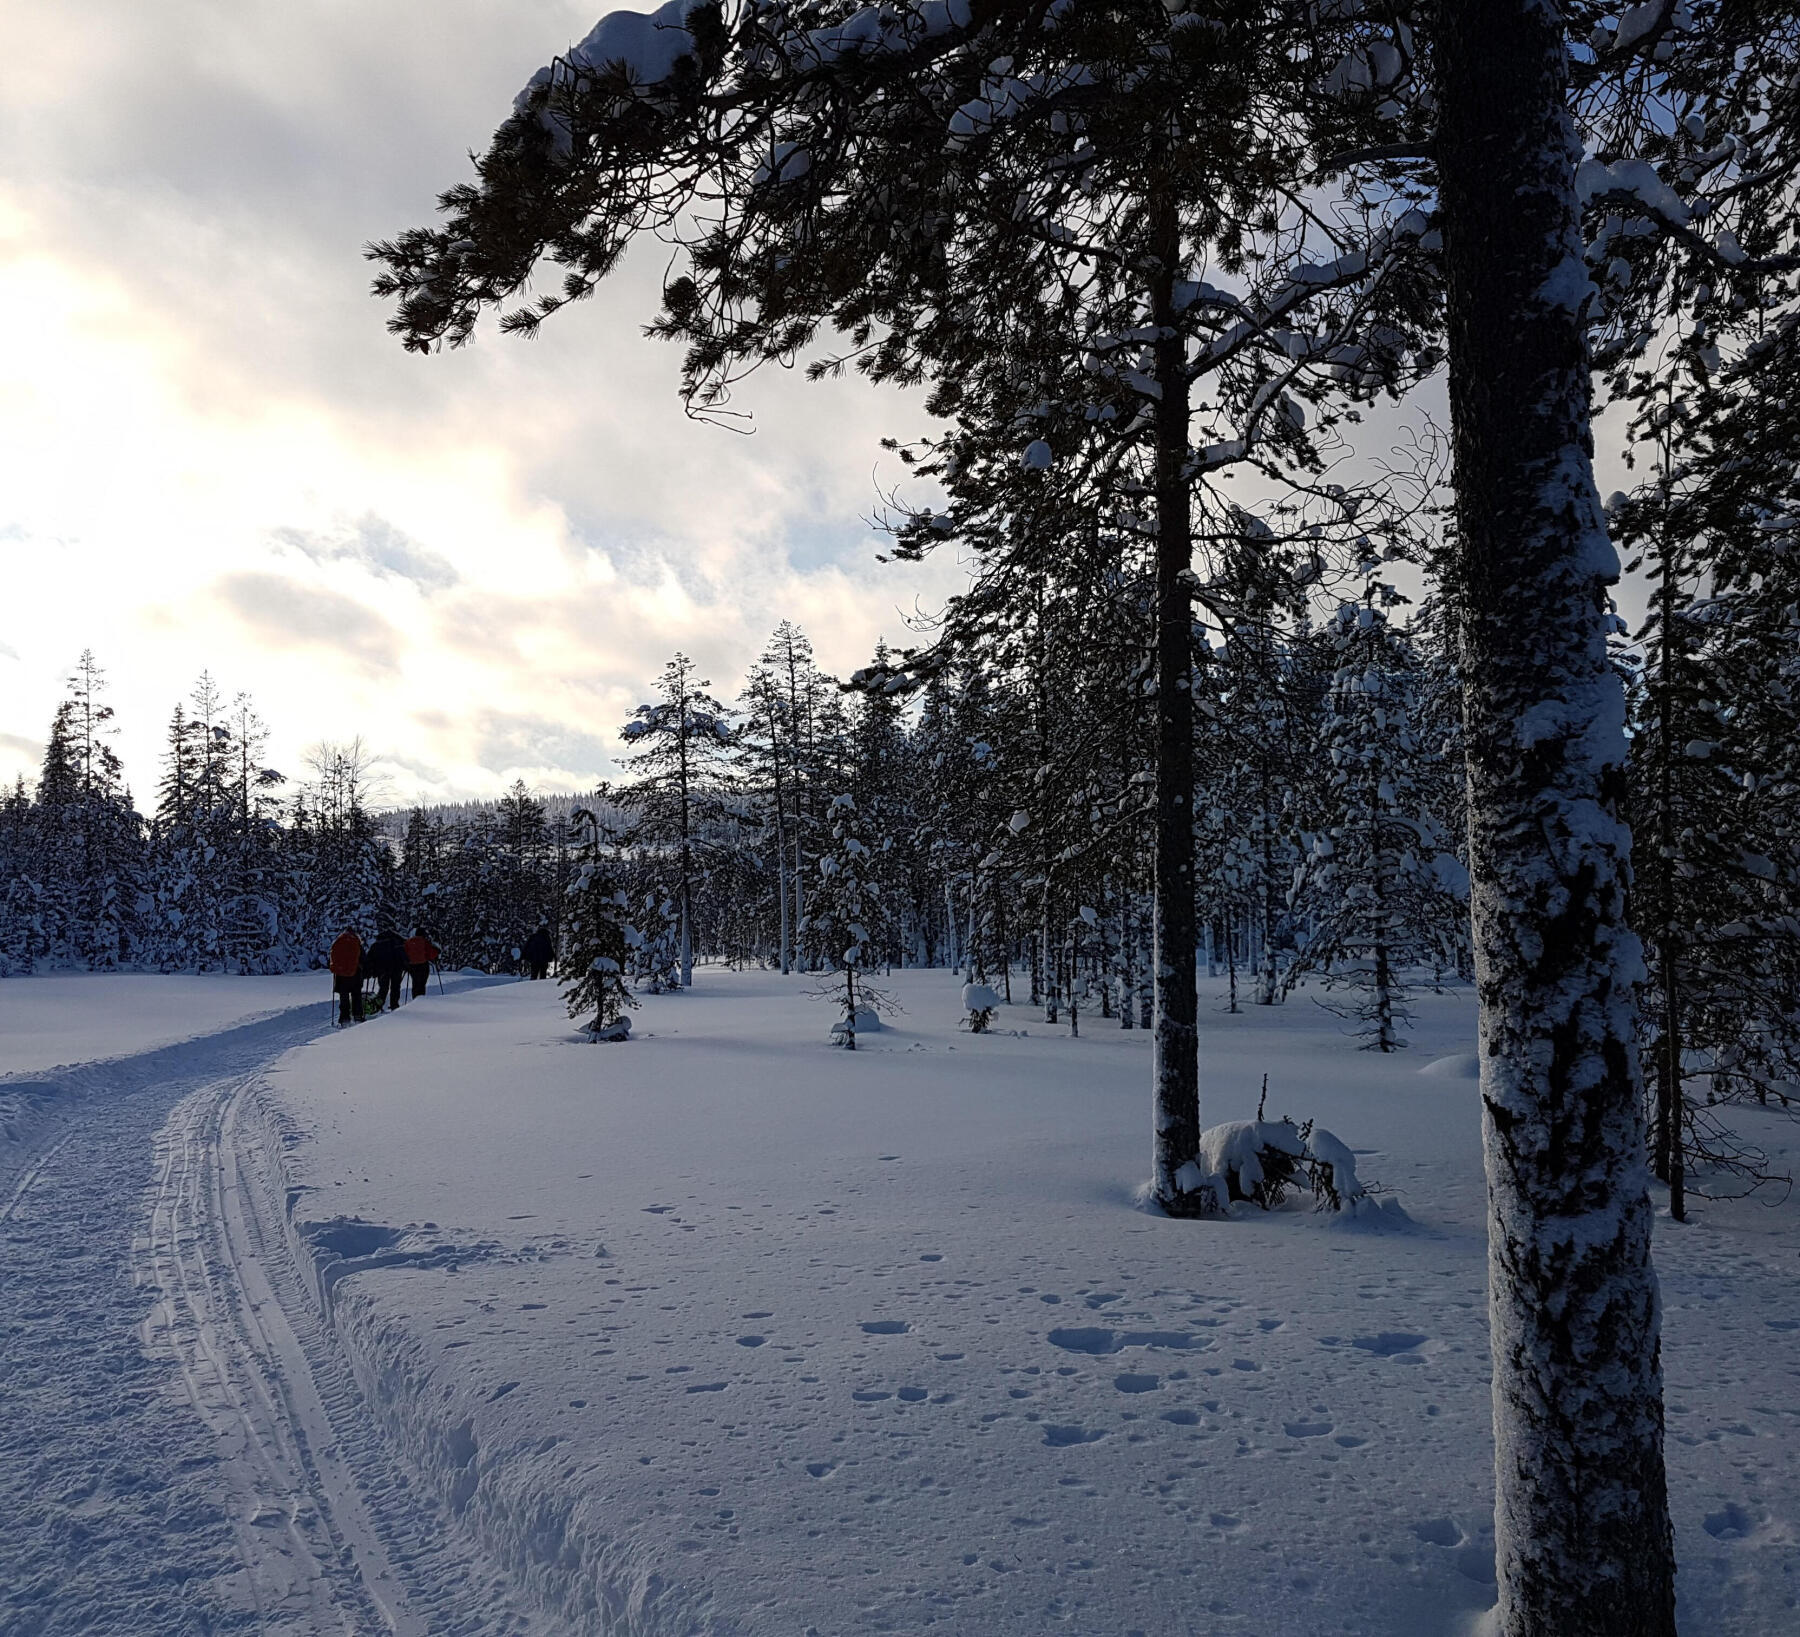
{"points": [[980, 1002], [1260, 1162]]}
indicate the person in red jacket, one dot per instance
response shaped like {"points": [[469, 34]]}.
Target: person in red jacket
{"points": [[346, 975], [420, 953]]}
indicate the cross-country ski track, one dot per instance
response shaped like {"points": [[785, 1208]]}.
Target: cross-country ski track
{"points": [[183, 1447]]}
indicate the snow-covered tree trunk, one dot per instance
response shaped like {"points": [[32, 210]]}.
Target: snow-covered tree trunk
{"points": [[1582, 1527], [1175, 1044], [781, 877]]}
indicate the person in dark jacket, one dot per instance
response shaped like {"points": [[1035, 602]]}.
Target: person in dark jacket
{"points": [[539, 952], [420, 953], [386, 963], [345, 961]]}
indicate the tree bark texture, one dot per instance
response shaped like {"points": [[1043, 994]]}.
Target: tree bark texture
{"points": [[1582, 1527]]}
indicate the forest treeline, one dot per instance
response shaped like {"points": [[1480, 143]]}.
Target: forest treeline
{"points": [[1005, 803]]}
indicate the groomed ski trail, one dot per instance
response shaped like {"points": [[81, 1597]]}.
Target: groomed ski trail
{"points": [[209, 1466]]}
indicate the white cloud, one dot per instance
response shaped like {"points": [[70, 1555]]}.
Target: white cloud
{"points": [[212, 455]]}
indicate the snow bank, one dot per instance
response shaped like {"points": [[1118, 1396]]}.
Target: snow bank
{"points": [[867, 1022]]}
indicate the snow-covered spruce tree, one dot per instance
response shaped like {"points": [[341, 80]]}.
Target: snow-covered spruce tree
{"points": [[849, 919], [176, 855], [767, 769], [780, 751], [1253, 713], [524, 857], [351, 873], [1380, 903], [880, 781], [256, 935], [676, 747], [17, 887], [1715, 771], [88, 837], [1582, 1529], [1700, 339], [595, 943], [656, 952]]}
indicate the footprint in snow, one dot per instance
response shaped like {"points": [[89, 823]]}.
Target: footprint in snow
{"points": [[911, 1395], [709, 1387], [821, 1469], [1065, 1437], [1085, 1339], [1306, 1429], [1182, 1418], [751, 1341], [886, 1327], [1133, 1383], [870, 1395], [1439, 1532], [1730, 1522], [1390, 1344]]}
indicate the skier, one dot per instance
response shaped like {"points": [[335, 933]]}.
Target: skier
{"points": [[539, 951], [345, 962], [386, 962], [420, 953]]}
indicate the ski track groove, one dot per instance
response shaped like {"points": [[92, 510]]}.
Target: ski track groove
{"points": [[208, 1465]]}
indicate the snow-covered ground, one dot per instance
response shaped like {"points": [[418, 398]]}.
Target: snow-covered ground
{"points": [[724, 1330], [75, 1017], [454, 1323]]}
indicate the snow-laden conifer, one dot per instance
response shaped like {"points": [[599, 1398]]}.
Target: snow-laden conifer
{"points": [[596, 940], [675, 743], [848, 917]]}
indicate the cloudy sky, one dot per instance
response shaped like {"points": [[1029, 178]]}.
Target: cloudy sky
{"points": [[212, 455]]}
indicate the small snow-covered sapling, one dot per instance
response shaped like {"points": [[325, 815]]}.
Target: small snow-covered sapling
{"points": [[980, 1003]]}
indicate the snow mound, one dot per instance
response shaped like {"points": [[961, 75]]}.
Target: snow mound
{"points": [[1457, 1066], [979, 997], [867, 1022], [618, 1029]]}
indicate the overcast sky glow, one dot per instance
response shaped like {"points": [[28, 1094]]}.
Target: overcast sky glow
{"points": [[213, 456]]}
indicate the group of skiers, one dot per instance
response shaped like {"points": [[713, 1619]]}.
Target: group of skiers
{"points": [[389, 960]]}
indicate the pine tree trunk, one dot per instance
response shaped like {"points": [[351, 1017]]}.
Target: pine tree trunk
{"points": [[1672, 1167], [1128, 962], [787, 939], [781, 889], [1668, 1156], [1582, 1530], [1175, 1051], [799, 895]]}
